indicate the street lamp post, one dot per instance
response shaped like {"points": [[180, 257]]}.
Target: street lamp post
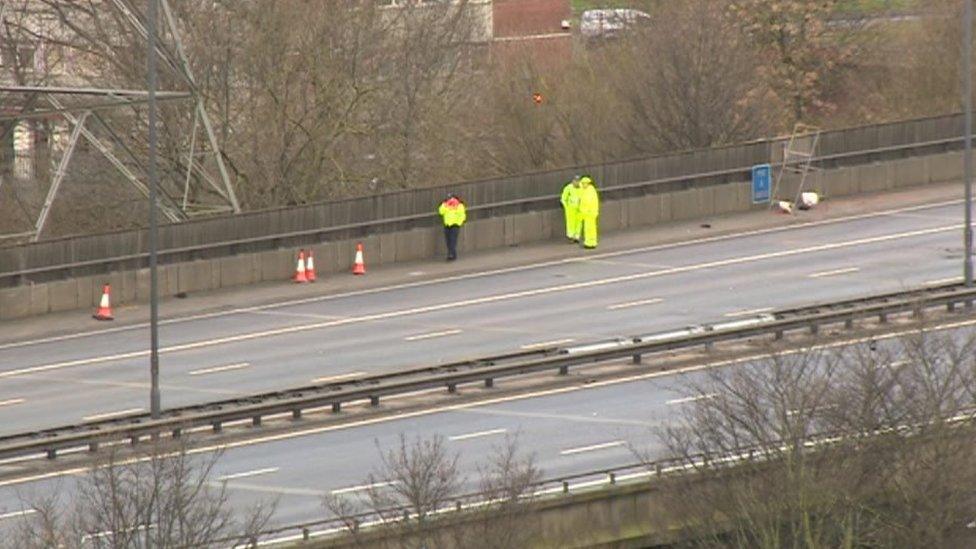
{"points": [[967, 77], [154, 400]]}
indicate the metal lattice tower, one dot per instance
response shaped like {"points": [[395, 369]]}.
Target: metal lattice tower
{"points": [[204, 186]]}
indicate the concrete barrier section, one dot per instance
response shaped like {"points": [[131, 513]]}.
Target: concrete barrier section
{"points": [[945, 167], [15, 302], [481, 234]]}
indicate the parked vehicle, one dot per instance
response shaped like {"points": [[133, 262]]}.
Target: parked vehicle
{"points": [[607, 23]]}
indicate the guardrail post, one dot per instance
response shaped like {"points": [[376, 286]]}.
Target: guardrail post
{"points": [[336, 407], [177, 432], [134, 440], [489, 383], [658, 470], [709, 347], [918, 312], [256, 421], [92, 446], [778, 335], [636, 359], [613, 478], [217, 426], [457, 506], [374, 401], [849, 324], [883, 318], [563, 370], [814, 328], [52, 453], [565, 486], [296, 413], [452, 387], [306, 535], [951, 306], [406, 515]]}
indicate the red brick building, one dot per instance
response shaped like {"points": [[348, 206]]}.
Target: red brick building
{"points": [[531, 29]]}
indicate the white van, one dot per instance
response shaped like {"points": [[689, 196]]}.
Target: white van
{"points": [[606, 23]]}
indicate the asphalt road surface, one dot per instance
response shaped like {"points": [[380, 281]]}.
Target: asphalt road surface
{"points": [[66, 379], [567, 430]]}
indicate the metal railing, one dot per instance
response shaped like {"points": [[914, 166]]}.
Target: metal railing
{"points": [[256, 408], [421, 220]]}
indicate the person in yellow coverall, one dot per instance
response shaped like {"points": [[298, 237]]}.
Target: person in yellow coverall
{"points": [[570, 202], [589, 209]]}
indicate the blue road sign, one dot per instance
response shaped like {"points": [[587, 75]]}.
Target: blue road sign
{"points": [[761, 183]]}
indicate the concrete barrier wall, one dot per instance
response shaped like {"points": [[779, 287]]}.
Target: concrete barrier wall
{"points": [[631, 516], [480, 234]]}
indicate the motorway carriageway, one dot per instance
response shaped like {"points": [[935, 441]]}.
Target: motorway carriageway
{"points": [[60, 381], [569, 430]]}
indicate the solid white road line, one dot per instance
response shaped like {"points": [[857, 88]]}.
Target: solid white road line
{"points": [[246, 474], [544, 344], [601, 446], [12, 402], [941, 281], [835, 272], [692, 398], [337, 377], [217, 369], [478, 435], [489, 402], [15, 514], [107, 415], [749, 312], [483, 274], [480, 300], [432, 335], [271, 489], [352, 489], [630, 304]]}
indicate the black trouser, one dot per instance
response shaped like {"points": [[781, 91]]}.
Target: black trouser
{"points": [[451, 237]]}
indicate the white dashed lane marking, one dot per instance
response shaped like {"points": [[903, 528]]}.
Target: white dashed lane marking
{"points": [[432, 335], [477, 435], [601, 446], [630, 304], [245, 474], [835, 272], [217, 369]]}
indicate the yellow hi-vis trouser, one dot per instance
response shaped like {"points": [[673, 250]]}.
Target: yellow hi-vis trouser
{"points": [[573, 222], [589, 230]]}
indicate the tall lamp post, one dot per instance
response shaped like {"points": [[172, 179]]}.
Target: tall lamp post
{"points": [[154, 399], [967, 77]]}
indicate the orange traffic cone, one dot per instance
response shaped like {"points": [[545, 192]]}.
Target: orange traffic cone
{"points": [[358, 266], [104, 311], [310, 267], [300, 275]]}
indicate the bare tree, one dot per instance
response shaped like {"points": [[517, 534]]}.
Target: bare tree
{"points": [[693, 82], [419, 480], [805, 45], [162, 498], [869, 445]]}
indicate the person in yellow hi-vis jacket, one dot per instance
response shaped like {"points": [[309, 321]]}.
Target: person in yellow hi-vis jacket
{"points": [[589, 209], [570, 202], [453, 213]]}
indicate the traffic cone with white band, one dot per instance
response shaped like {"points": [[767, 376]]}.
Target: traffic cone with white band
{"points": [[104, 311], [300, 276], [359, 266]]}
